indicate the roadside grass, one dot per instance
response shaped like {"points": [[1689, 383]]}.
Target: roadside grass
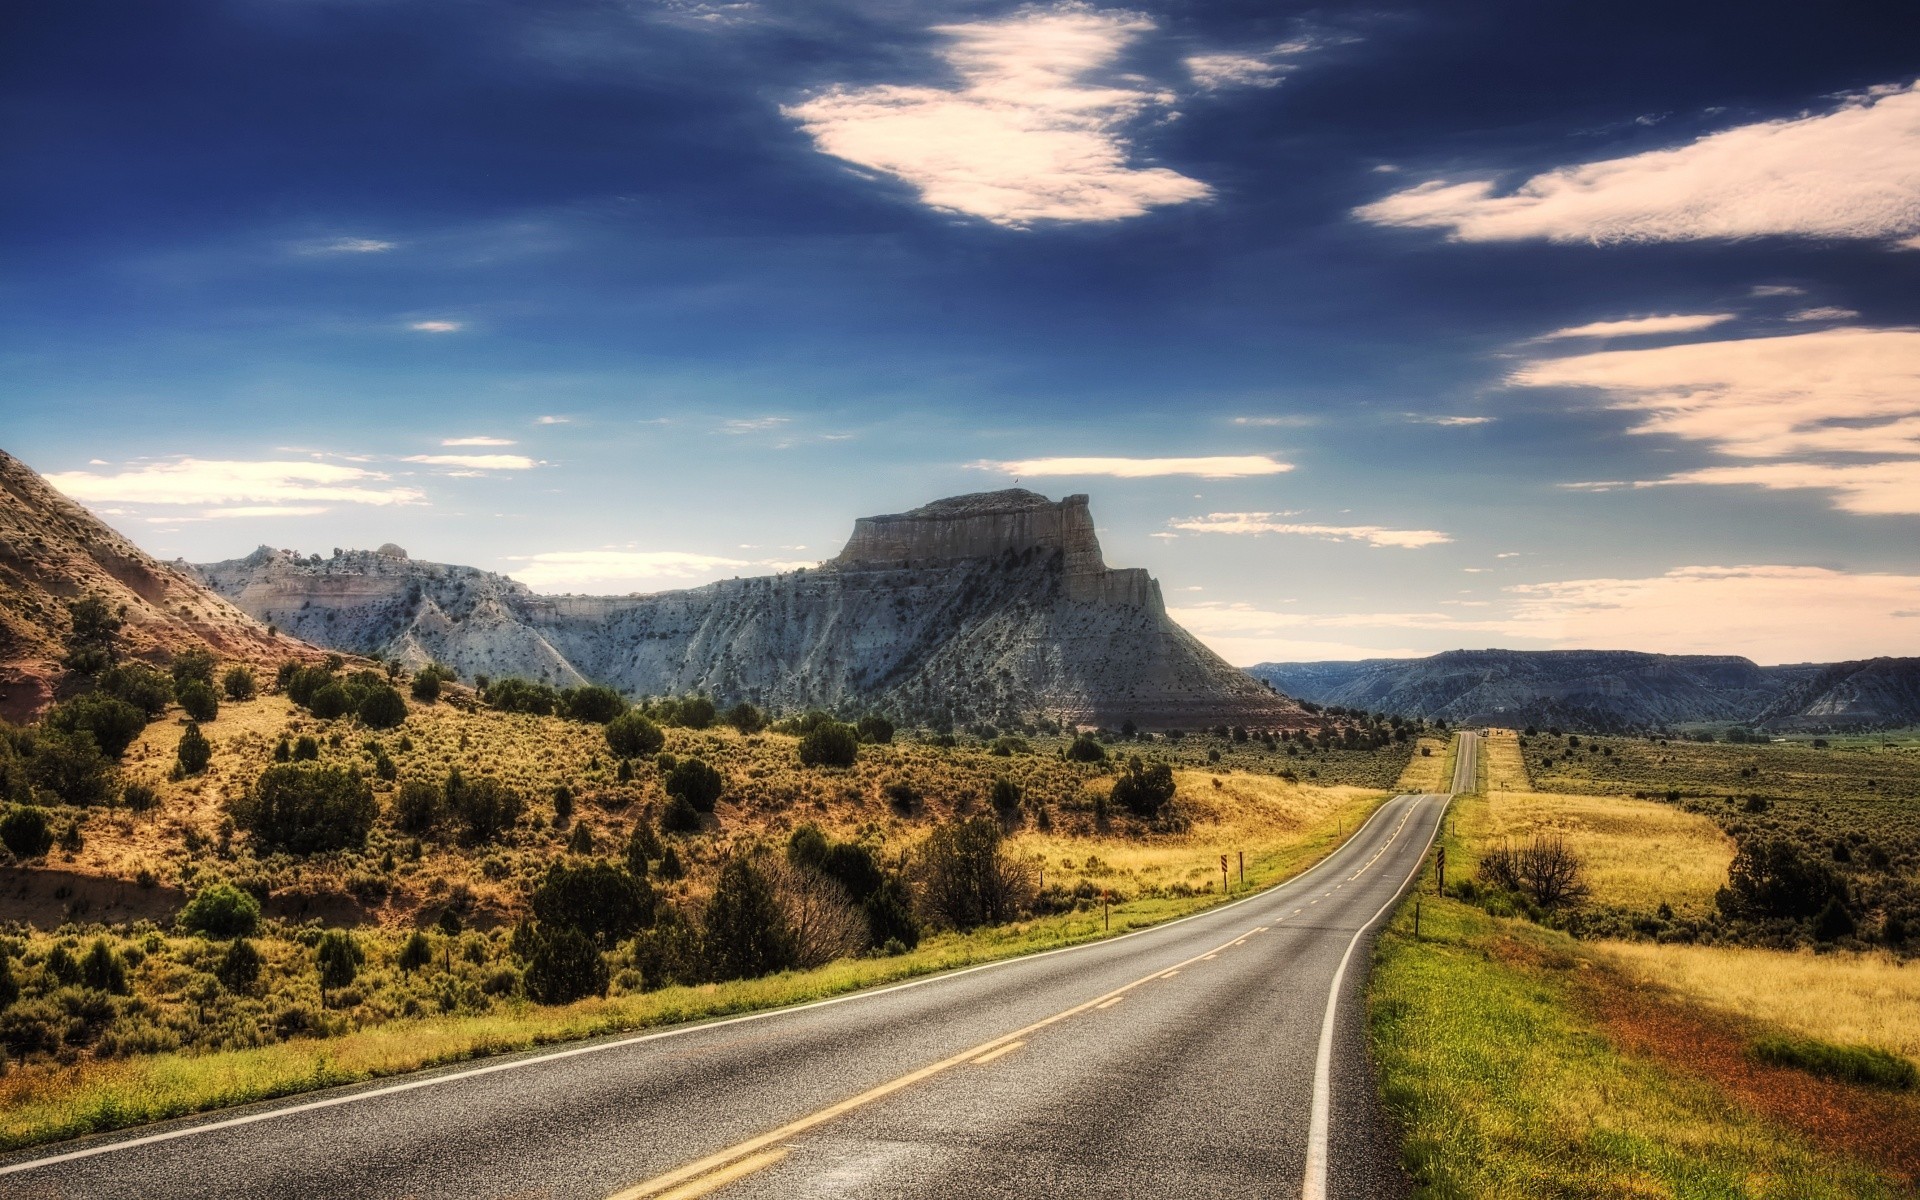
{"points": [[50, 1102], [1429, 774]]}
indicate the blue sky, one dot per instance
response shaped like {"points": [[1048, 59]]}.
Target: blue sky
{"points": [[1370, 330]]}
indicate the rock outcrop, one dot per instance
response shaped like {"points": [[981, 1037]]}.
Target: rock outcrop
{"points": [[1875, 693], [996, 606]]}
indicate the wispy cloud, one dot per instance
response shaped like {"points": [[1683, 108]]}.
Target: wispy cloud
{"points": [[476, 441], [347, 245], [1267, 522], [1766, 290], [1632, 326], [1824, 313], [249, 486], [551, 419], [1286, 421], [1029, 134], [753, 424], [1449, 421], [476, 462], [1845, 173], [1262, 69], [1881, 488], [1217, 467], [437, 326]]}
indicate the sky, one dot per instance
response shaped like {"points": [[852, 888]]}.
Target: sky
{"points": [[1371, 330]]}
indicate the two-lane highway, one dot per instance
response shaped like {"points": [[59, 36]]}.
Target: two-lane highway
{"points": [[1223, 1052]]}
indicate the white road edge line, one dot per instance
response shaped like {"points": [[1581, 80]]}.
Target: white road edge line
{"points": [[392, 1089]]}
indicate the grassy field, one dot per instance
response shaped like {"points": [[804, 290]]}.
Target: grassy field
{"points": [[1429, 770]]}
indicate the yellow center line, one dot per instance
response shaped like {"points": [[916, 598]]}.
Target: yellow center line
{"points": [[1110, 1003], [990, 1055], [1211, 957], [721, 1178], [660, 1186]]}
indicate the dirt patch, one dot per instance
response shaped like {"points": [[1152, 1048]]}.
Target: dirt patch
{"points": [[47, 899]]}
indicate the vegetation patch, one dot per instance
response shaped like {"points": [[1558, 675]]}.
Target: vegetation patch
{"points": [[1867, 1065]]}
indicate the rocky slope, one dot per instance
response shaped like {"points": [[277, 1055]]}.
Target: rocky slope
{"points": [[1874, 693], [52, 551], [1600, 690], [995, 606]]}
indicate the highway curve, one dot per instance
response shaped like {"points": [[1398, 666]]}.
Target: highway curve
{"points": [[1196, 1058]]}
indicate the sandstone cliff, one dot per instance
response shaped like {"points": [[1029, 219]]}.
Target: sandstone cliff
{"points": [[996, 606]]}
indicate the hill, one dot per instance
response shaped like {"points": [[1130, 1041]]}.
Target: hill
{"points": [[995, 606], [1876, 692], [53, 552]]}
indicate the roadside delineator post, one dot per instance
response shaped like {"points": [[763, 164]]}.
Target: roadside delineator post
{"points": [[1243, 868], [1440, 862], [1416, 920], [1223, 875], [1106, 913]]}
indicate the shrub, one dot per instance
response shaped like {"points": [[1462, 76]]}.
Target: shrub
{"points": [[307, 809], [195, 751], [966, 877], [874, 729], [1546, 870], [92, 628], [631, 735], [415, 953], [902, 796], [746, 718], [564, 966], [1866, 1065], [1085, 749], [830, 744], [1833, 922], [562, 804], [139, 797], [521, 696], [679, 816], [889, 912], [239, 967], [1143, 791], [822, 920], [70, 767], [485, 807], [598, 899], [692, 712], [220, 910], [382, 708], [24, 832], [642, 844], [1774, 877], [198, 700], [238, 683], [426, 686], [594, 704], [306, 748], [193, 666], [1006, 796], [140, 685], [302, 683], [746, 927], [104, 970], [337, 956], [416, 806], [330, 702], [807, 847], [696, 783], [113, 723]]}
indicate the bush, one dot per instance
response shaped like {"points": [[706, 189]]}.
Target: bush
{"points": [[598, 899], [426, 686], [822, 920], [337, 957], [1143, 791], [693, 712], [195, 751], [631, 735], [1085, 749], [521, 696], [1833, 922], [113, 723], [564, 966], [874, 729], [220, 910], [330, 702], [416, 806], [198, 700], [1774, 877], [415, 953], [1546, 870], [746, 718], [307, 809], [24, 832], [70, 767], [696, 783], [485, 807], [679, 816], [966, 877], [746, 927], [239, 967], [239, 683], [140, 685], [382, 708], [830, 744], [139, 797], [306, 748], [593, 704], [1006, 796], [193, 666], [103, 970], [1866, 1065]]}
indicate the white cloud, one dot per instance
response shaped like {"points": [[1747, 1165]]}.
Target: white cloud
{"points": [[1026, 136], [437, 326], [476, 441], [1631, 326], [1239, 69], [550, 419], [476, 462], [240, 510], [753, 424], [348, 245], [1853, 172], [1775, 289], [619, 570], [1447, 421], [1217, 467], [1882, 489], [1266, 522], [1290, 421], [224, 482], [1824, 313]]}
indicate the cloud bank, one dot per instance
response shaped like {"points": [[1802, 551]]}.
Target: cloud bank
{"points": [[236, 488], [1232, 466], [1266, 522]]}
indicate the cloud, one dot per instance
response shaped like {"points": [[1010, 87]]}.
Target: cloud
{"points": [[618, 570], [223, 482], [1878, 489], [1230, 69], [1447, 421], [550, 419], [1846, 173], [1025, 136], [437, 326], [348, 245], [1775, 289], [1826, 313], [1289, 421], [476, 441], [1632, 326], [753, 424], [476, 462], [1264, 522], [1219, 467]]}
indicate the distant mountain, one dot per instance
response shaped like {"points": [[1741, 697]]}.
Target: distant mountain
{"points": [[994, 606], [1875, 692], [1599, 690], [52, 552]]}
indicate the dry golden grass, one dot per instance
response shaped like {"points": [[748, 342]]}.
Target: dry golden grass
{"points": [[1426, 774], [1840, 997]]}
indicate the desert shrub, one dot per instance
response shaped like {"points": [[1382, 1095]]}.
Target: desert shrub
{"points": [[688, 712], [330, 702], [193, 666], [239, 967], [113, 723], [902, 796], [337, 957], [598, 899], [484, 807], [967, 878], [426, 686], [1545, 869], [679, 816], [823, 922], [1006, 746], [746, 718], [92, 628], [103, 969], [1866, 1065], [631, 735], [1087, 750], [669, 952], [829, 744], [307, 809], [1834, 922], [194, 751], [697, 783], [306, 748], [140, 685], [874, 729], [139, 797], [807, 847], [1143, 791], [563, 966], [301, 684], [220, 910], [746, 927], [521, 696], [890, 917], [198, 700], [1006, 796], [415, 952], [239, 684], [70, 768], [417, 806], [25, 833], [382, 708], [594, 704], [1774, 877]]}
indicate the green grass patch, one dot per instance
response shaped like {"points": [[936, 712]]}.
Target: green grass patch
{"points": [[1868, 1065]]}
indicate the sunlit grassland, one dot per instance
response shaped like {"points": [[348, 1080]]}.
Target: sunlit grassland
{"points": [[1429, 773]]}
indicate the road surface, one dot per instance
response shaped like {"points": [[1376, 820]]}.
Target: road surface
{"points": [[1220, 1054]]}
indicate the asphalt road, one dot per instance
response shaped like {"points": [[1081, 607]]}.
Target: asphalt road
{"points": [[1197, 1058]]}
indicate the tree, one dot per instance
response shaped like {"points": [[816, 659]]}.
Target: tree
{"points": [[679, 816], [642, 844], [692, 712], [746, 718], [140, 685], [1086, 750], [330, 701], [426, 685], [485, 807], [338, 957], [830, 744], [91, 632], [195, 666], [220, 910], [1774, 878], [24, 831], [415, 952], [966, 877], [822, 920], [113, 723], [70, 767], [522, 696], [198, 700], [104, 970], [382, 708], [239, 967], [1144, 791], [1006, 796], [746, 928], [594, 704], [1833, 922], [631, 735], [598, 899], [875, 729], [307, 809], [195, 751], [239, 683], [564, 966], [697, 783]]}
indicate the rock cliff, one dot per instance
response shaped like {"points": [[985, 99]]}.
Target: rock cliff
{"points": [[996, 606]]}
